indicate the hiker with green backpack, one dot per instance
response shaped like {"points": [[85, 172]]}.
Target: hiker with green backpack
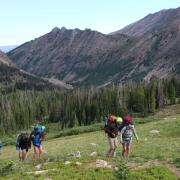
{"points": [[23, 144], [120, 125], [126, 135]]}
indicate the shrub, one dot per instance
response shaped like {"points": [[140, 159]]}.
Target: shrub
{"points": [[79, 130], [6, 167], [177, 162], [122, 172]]}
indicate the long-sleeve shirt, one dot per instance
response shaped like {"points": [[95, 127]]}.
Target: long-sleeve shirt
{"points": [[127, 132]]}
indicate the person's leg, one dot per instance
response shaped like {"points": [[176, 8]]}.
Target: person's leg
{"points": [[26, 153], [35, 152], [23, 154], [114, 146], [128, 149], [20, 155], [124, 149], [109, 153], [40, 152]]}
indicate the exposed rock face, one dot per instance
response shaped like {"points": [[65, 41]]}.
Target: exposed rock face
{"points": [[142, 50], [69, 55], [158, 44]]}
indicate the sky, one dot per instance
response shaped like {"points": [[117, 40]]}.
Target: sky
{"points": [[25, 20]]}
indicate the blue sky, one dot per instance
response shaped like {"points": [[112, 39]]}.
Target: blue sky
{"points": [[24, 20]]}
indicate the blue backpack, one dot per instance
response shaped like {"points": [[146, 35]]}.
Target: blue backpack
{"points": [[39, 134], [1, 146]]}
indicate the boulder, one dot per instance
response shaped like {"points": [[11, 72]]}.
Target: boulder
{"points": [[93, 144], [154, 131], [67, 162], [78, 163], [101, 163], [93, 154]]}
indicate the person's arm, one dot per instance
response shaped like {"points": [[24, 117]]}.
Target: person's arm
{"points": [[32, 136], [17, 140], [135, 134], [110, 131], [29, 142], [107, 130]]}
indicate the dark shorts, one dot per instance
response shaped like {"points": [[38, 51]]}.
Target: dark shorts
{"points": [[126, 141], [37, 145], [23, 147]]}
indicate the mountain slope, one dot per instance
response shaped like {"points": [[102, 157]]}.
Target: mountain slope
{"points": [[159, 42], [12, 78], [152, 23], [4, 59], [89, 57]]}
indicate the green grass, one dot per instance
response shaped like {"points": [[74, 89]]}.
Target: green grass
{"points": [[152, 173], [162, 146], [55, 133], [176, 161]]}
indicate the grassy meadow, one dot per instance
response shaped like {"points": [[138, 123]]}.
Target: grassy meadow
{"points": [[155, 156]]}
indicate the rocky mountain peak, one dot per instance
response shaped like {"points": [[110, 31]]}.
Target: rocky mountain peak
{"points": [[55, 30], [63, 29], [146, 48]]}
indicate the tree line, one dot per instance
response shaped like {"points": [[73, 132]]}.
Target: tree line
{"points": [[19, 110]]}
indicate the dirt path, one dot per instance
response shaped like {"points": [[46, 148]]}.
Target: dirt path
{"points": [[137, 166], [171, 167]]}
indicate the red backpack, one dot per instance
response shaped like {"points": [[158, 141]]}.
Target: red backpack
{"points": [[43, 134], [128, 119]]}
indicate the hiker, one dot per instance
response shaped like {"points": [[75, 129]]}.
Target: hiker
{"points": [[126, 135], [105, 120], [23, 144], [1, 146], [37, 135], [112, 132], [120, 123]]}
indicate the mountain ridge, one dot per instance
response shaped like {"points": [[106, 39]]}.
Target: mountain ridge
{"points": [[87, 57], [146, 24]]}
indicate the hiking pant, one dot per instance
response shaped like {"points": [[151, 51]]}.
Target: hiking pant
{"points": [[113, 146]]}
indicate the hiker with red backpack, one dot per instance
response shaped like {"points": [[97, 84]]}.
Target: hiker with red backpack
{"points": [[37, 135], [126, 135], [111, 130]]}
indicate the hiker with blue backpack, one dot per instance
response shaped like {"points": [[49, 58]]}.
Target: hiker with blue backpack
{"points": [[126, 135], [37, 135], [1, 146]]}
